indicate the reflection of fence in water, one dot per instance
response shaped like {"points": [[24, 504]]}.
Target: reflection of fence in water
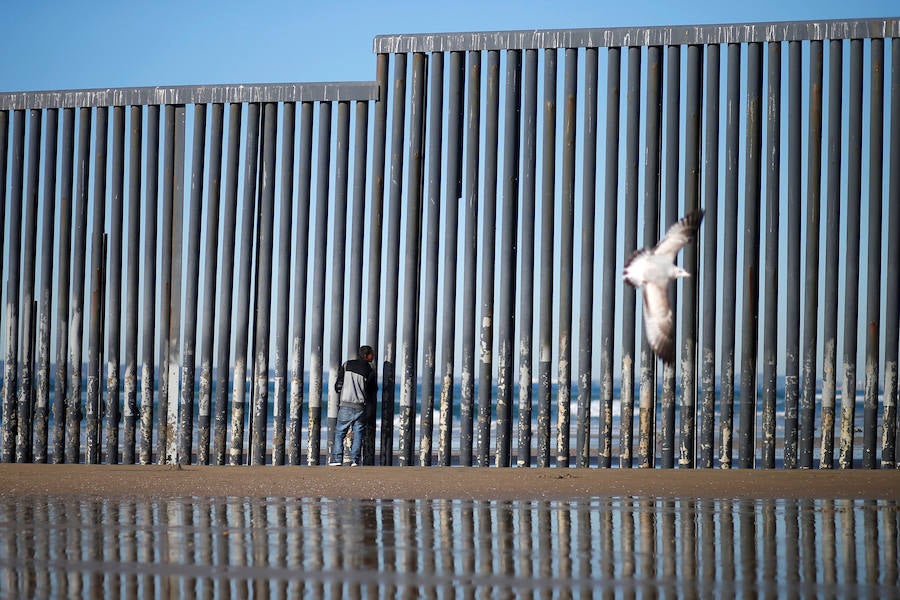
{"points": [[80, 547]]}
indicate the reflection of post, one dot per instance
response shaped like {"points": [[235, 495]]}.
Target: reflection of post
{"points": [[467, 546], [525, 513], [503, 539], [259, 540], [666, 510], [91, 520], [220, 524], [748, 561], [203, 544], [628, 544], [726, 540], [427, 570], [848, 541], [870, 540], [407, 560], [707, 555], [146, 544], [294, 554], [445, 546], [890, 516], [585, 550], [313, 548], [564, 548], [688, 535], [646, 568], [278, 554], [791, 571], [769, 546], [808, 542], [828, 543], [112, 518], [237, 545]]}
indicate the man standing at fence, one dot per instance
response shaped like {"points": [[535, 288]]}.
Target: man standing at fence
{"points": [[355, 385]]}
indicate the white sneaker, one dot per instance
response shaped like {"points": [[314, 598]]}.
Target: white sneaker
{"points": [[354, 465], [334, 464]]}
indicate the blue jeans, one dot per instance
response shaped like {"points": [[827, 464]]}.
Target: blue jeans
{"points": [[349, 415]]}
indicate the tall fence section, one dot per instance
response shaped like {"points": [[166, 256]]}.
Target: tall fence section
{"points": [[183, 285]]}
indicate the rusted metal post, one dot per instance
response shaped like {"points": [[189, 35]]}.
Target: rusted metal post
{"points": [[376, 237], [548, 204], [112, 317], [162, 424], [357, 233], [151, 205], [192, 283], [770, 276], [42, 392], [314, 443], [301, 269], [567, 226], [851, 274], [25, 431], [691, 258], [392, 250], [750, 319], [792, 323], [95, 331], [526, 250], [647, 439], [811, 271], [73, 401], [58, 408], [706, 446], [4, 151], [629, 238], [412, 255], [430, 266], [506, 329], [174, 339], [673, 150], [229, 217], [873, 290], [610, 226], [832, 251], [283, 299], [729, 258], [207, 334], [892, 279], [488, 255], [453, 195], [338, 264], [129, 401], [470, 254], [586, 304], [248, 212], [263, 288]]}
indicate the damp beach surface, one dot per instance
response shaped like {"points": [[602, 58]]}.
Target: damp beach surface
{"points": [[385, 532]]}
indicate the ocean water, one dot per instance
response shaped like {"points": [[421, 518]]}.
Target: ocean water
{"points": [[618, 547]]}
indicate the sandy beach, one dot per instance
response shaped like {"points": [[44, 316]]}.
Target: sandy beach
{"points": [[121, 481]]}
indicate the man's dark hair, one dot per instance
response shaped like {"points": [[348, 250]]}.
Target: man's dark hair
{"points": [[365, 351]]}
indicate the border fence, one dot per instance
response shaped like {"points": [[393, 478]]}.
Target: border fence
{"points": [[504, 213]]}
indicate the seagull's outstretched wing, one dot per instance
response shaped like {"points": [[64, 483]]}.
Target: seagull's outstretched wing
{"points": [[658, 321], [679, 234]]}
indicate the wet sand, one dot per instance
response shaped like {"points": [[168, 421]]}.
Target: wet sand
{"points": [[123, 481]]}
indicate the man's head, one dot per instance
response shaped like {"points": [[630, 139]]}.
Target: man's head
{"points": [[367, 353]]}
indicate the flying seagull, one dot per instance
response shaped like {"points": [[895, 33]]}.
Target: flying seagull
{"points": [[651, 270]]}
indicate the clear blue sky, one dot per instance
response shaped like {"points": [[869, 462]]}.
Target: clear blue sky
{"points": [[60, 45]]}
